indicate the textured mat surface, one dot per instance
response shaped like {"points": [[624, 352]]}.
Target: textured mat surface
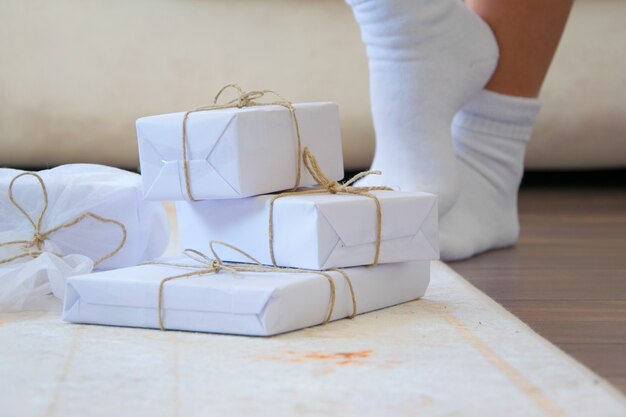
{"points": [[456, 352]]}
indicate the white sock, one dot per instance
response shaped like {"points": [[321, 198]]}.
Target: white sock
{"points": [[426, 59], [490, 135]]}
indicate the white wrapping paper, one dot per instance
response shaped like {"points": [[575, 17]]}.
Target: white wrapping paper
{"points": [[255, 304], [316, 231], [76, 189], [234, 153]]}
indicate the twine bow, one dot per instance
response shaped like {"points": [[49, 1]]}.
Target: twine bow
{"points": [[206, 265], [40, 236], [244, 99], [328, 185]]}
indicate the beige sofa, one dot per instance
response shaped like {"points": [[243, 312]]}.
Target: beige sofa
{"points": [[75, 74]]}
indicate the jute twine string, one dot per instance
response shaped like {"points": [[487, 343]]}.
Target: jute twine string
{"points": [[206, 265], [328, 185], [244, 99], [34, 247]]}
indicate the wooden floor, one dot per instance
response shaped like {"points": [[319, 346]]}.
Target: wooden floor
{"points": [[566, 277]]}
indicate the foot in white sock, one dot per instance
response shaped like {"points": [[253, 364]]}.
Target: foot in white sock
{"points": [[426, 59], [490, 135]]}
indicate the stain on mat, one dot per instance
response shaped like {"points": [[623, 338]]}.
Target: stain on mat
{"points": [[339, 358]]}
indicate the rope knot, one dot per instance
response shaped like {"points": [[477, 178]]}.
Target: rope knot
{"points": [[38, 240], [216, 265], [247, 99], [334, 187], [244, 100]]}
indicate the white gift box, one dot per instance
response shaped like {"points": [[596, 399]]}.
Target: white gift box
{"points": [[74, 190], [245, 303], [234, 153], [316, 231]]}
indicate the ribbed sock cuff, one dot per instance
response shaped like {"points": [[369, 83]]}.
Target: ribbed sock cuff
{"points": [[499, 114]]}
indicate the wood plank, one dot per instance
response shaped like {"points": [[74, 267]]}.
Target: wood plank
{"points": [[566, 277], [602, 358], [602, 322]]}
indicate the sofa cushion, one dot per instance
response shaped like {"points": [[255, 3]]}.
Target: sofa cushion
{"points": [[76, 74]]}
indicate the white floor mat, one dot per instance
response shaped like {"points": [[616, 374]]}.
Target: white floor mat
{"points": [[454, 353]]}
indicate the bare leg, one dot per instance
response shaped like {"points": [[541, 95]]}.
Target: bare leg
{"points": [[491, 131], [528, 33]]}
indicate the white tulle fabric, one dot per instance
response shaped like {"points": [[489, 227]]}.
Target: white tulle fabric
{"points": [[73, 190], [28, 284]]}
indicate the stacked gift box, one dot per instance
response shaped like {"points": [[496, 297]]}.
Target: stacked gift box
{"points": [[273, 241]]}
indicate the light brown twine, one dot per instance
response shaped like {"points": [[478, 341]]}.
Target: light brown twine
{"points": [[244, 99], [39, 236], [328, 185], [206, 265]]}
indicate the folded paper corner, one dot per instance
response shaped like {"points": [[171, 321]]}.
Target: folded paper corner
{"points": [[71, 304]]}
